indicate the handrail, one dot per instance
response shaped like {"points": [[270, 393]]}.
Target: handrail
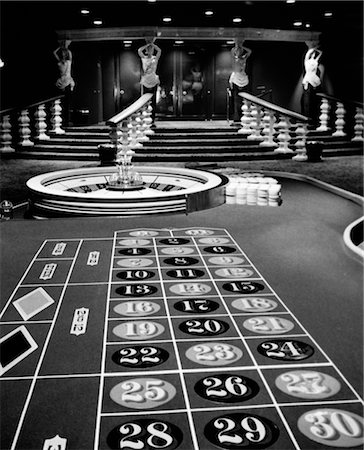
{"points": [[131, 109], [33, 105], [341, 100], [264, 93], [273, 107]]}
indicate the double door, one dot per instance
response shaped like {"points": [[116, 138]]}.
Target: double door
{"points": [[193, 81], [191, 86]]}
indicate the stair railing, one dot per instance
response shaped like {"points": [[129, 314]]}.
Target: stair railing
{"points": [[340, 108], [128, 130], [22, 126], [274, 126]]}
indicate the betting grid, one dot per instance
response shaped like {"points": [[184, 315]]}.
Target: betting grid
{"points": [[239, 378], [256, 342]]}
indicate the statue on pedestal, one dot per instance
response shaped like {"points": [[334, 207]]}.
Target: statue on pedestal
{"points": [[311, 80], [150, 54], [238, 79]]}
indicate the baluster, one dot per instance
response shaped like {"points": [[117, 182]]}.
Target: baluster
{"points": [[24, 129], [125, 139], [359, 125], [132, 125], [115, 135], [268, 129], [148, 120], [324, 115], [139, 130], [339, 122], [143, 126], [301, 132], [40, 123], [56, 117], [255, 123], [283, 137], [245, 118], [6, 138]]}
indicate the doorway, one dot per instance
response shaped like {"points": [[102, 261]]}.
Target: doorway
{"points": [[193, 82], [194, 78]]}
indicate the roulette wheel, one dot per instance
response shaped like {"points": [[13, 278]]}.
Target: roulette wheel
{"points": [[84, 192]]}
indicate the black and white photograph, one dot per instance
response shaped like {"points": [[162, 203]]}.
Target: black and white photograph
{"points": [[181, 225]]}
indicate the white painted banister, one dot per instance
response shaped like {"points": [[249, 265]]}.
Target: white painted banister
{"points": [[274, 126], [23, 127]]}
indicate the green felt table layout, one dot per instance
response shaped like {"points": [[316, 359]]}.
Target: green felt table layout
{"points": [[236, 327]]}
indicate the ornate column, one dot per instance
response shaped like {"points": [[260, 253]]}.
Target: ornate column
{"points": [[139, 128], [56, 117], [148, 121], [301, 132], [359, 125], [324, 115], [24, 129], [283, 137], [143, 126], [133, 134], [245, 118], [41, 123], [268, 129], [255, 124], [340, 121], [6, 138]]}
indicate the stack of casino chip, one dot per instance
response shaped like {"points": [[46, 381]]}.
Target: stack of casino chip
{"points": [[262, 194], [242, 192], [274, 194], [231, 190], [253, 189]]}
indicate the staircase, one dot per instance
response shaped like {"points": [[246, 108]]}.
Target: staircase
{"points": [[178, 142]]}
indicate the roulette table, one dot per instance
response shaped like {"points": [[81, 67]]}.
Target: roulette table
{"points": [[229, 328]]}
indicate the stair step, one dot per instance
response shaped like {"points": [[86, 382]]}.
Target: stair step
{"points": [[182, 156], [152, 149], [200, 142]]}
